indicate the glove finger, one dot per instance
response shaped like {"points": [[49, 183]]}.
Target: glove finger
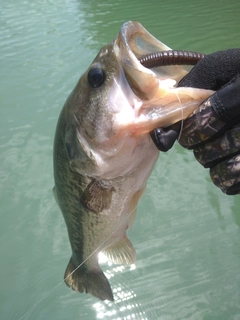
{"points": [[214, 116], [214, 70], [225, 101], [226, 175], [224, 147], [201, 125]]}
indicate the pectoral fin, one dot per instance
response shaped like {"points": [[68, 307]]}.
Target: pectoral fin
{"points": [[122, 252], [97, 196]]}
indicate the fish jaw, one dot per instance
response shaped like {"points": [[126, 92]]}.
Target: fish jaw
{"points": [[158, 102], [176, 105], [133, 42]]}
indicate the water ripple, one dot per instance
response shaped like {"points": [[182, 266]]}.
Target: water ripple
{"points": [[186, 233]]}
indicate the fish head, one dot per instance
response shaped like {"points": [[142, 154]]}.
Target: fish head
{"points": [[105, 110], [112, 90]]}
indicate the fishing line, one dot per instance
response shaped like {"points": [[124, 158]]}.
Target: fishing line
{"points": [[112, 233], [179, 136], [39, 301], [61, 282], [181, 127]]}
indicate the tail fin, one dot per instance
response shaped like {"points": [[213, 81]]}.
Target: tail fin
{"points": [[93, 282]]}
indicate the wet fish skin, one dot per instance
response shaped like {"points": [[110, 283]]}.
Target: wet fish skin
{"points": [[103, 154], [93, 209]]}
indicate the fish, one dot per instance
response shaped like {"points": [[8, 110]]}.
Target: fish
{"points": [[103, 154]]}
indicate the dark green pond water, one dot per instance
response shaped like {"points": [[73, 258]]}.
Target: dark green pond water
{"points": [[186, 233]]}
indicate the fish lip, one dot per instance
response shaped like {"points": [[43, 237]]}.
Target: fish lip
{"points": [[139, 40], [132, 43]]}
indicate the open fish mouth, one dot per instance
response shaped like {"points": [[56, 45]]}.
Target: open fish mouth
{"points": [[135, 42], [159, 101]]}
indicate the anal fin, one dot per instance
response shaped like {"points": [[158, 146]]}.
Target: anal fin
{"points": [[122, 252]]}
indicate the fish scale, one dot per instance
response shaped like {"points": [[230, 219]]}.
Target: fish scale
{"points": [[103, 153]]}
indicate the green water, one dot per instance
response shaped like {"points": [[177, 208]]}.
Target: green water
{"points": [[186, 232]]}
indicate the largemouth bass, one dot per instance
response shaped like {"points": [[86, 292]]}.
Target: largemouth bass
{"points": [[103, 153]]}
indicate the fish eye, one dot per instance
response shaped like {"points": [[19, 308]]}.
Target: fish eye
{"points": [[96, 77]]}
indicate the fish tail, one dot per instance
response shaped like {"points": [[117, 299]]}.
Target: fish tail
{"points": [[89, 281]]}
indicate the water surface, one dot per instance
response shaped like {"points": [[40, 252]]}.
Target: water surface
{"points": [[186, 233]]}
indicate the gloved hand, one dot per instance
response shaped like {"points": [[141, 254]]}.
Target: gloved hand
{"points": [[213, 129]]}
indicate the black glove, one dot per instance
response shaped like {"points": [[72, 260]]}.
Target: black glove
{"points": [[213, 129]]}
